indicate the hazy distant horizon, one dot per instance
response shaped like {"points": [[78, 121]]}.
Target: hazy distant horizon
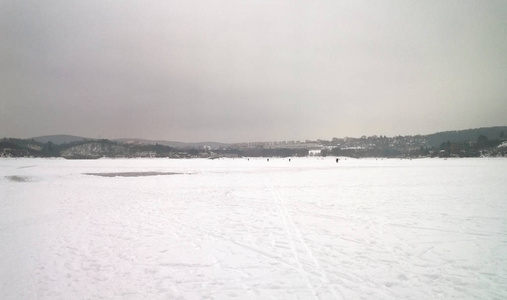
{"points": [[234, 71], [241, 141]]}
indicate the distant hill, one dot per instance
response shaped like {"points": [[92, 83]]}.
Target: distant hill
{"points": [[66, 139], [60, 139], [436, 139], [174, 144], [430, 140]]}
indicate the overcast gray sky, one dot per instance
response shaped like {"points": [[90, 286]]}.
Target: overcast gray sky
{"points": [[234, 71]]}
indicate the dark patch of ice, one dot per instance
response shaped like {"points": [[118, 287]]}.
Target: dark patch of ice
{"points": [[16, 178], [132, 174]]}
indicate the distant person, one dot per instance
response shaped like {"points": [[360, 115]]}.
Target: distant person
{"points": [[337, 160], [268, 159]]}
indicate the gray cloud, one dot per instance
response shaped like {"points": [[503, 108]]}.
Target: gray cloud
{"points": [[250, 70]]}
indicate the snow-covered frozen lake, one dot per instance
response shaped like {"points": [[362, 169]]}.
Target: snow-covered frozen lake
{"points": [[239, 228]]}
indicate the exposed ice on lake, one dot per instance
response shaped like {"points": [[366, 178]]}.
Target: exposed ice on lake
{"points": [[237, 228]]}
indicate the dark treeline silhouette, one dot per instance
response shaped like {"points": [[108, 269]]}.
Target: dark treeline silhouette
{"points": [[467, 143]]}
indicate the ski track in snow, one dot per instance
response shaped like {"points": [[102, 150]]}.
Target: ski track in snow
{"points": [[307, 264], [238, 228]]}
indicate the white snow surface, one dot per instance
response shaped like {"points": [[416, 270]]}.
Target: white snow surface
{"points": [[244, 228]]}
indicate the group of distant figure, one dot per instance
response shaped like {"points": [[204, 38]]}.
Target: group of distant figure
{"points": [[290, 159]]}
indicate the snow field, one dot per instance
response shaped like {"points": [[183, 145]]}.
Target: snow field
{"points": [[239, 228]]}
